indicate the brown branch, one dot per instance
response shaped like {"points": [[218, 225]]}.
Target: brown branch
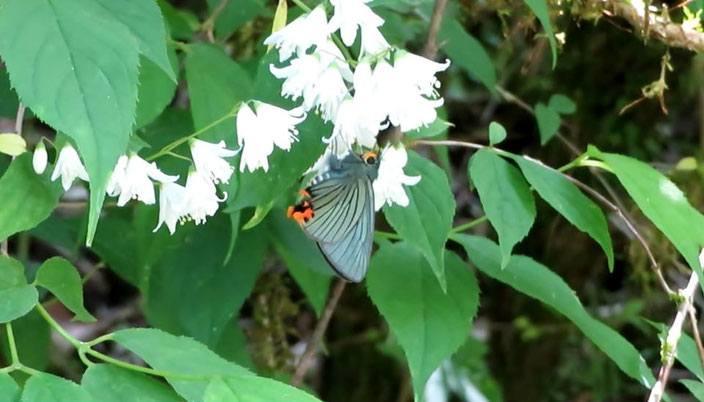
{"points": [[317, 337], [696, 335], [209, 24], [18, 129], [431, 46]]}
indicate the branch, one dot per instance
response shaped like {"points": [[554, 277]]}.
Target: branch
{"points": [[669, 345], [18, 129], [431, 46], [317, 337], [697, 337], [209, 24]]}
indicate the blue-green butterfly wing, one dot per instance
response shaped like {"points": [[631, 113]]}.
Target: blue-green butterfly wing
{"points": [[343, 224]]}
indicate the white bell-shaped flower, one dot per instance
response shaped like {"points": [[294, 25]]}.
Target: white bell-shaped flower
{"points": [[172, 205], [388, 186], [348, 15], [328, 91], [260, 129], [208, 160], [373, 42], [40, 158], [68, 167], [132, 179], [299, 35], [201, 198], [419, 71]]}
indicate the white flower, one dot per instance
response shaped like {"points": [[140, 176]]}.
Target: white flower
{"points": [[349, 14], [68, 167], [373, 42], [172, 204], [419, 71], [260, 129], [328, 91], [388, 186], [299, 77], [201, 199], [208, 159], [305, 31], [132, 179], [39, 159]]}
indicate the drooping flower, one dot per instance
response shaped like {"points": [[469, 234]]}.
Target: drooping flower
{"points": [[172, 205], [373, 42], [201, 198], [208, 160], [40, 158], [419, 71], [260, 129], [348, 15], [388, 186], [299, 35], [68, 167], [132, 179]]}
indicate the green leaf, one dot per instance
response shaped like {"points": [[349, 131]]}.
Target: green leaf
{"points": [[156, 91], [143, 19], [106, 382], [566, 198], [17, 298], [61, 278], [695, 387], [562, 104], [438, 127], [468, 53], [260, 212], [233, 345], [215, 85], [32, 339], [44, 387], [280, 16], [9, 390], [76, 68], [27, 198], [12, 144], [427, 220], [245, 389], [548, 122], [497, 133], [181, 24], [236, 14], [429, 323], [537, 281], [505, 197], [662, 202], [178, 355], [540, 8], [304, 260]]}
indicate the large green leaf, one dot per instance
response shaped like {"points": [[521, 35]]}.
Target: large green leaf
{"points": [[662, 202], [235, 14], [505, 197], [9, 391], [468, 53], [17, 298], [76, 68], [540, 8], [178, 355], [27, 198], [245, 389], [566, 198], [45, 387], [105, 382], [548, 122], [156, 90], [430, 324], [61, 278], [143, 19], [537, 281], [427, 220]]}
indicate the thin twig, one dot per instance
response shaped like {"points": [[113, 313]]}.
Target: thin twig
{"points": [[19, 119], [669, 346], [317, 337], [209, 24], [697, 336], [431, 46]]}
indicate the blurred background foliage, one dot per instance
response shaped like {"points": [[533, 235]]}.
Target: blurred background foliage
{"points": [[520, 350]]}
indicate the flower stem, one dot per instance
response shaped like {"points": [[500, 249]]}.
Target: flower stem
{"points": [[58, 328], [167, 148], [11, 342], [302, 5], [387, 235], [469, 225], [145, 370]]}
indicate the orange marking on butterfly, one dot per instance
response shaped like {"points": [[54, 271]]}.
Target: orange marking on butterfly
{"points": [[304, 193], [372, 154], [301, 213]]}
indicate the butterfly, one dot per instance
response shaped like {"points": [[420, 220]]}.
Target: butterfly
{"points": [[337, 212]]}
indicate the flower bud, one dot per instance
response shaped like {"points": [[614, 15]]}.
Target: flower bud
{"points": [[39, 159]]}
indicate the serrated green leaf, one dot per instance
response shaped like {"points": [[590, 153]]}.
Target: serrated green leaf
{"points": [[17, 298], [156, 90], [561, 104], [178, 355], [27, 198], [537, 281], [497, 133], [143, 19], [245, 389], [233, 345], [73, 51], [429, 323], [9, 390], [566, 198], [548, 122], [427, 220], [505, 197], [108, 383], [540, 8], [468, 53], [44, 387], [661, 202], [12, 144], [61, 278]]}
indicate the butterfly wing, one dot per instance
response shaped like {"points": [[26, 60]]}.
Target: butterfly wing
{"points": [[343, 222]]}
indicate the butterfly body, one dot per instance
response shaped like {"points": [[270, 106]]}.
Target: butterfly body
{"points": [[337, 212]]}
